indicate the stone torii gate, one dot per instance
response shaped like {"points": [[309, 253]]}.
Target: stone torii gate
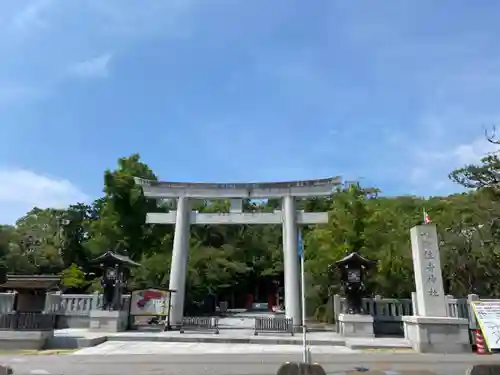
{"points": [[288, 216]]}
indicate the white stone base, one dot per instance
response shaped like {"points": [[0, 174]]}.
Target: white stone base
{"points": [[24, 340], [437, 334], [108, 321], [355, 325]]}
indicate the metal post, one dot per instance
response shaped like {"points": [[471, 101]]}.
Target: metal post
{"points": [[306, 357]]}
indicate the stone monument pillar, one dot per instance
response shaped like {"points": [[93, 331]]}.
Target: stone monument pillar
{"points": [[180, 254], [432, 330]]}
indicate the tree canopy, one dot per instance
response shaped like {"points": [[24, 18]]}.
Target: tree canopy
{"points": [[232, 258]]}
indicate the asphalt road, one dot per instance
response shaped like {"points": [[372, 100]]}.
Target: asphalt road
{"points": [[235, 364]]}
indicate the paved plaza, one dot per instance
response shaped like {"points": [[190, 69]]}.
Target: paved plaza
{"points": [[151, 347], [233, 337], [238, 364], [237, 329]]}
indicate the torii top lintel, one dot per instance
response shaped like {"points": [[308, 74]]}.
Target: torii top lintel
{"points": [[256, 190]]}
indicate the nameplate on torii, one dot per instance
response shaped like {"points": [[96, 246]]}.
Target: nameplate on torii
{"points": [[277, 217]]}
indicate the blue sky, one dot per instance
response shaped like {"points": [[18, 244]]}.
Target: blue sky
{"points": [[393, 93]]}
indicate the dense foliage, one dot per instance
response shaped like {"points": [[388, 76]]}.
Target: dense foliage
{"points": [[225, 259]]}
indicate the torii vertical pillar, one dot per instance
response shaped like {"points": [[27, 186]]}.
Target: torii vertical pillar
{"points": [[291, 261], [178, 268]]}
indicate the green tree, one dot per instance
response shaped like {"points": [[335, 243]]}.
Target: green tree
{"points": [[122, 215], [73, 279], [39, 240], [345, 232], [74, 235], [485, 175]]}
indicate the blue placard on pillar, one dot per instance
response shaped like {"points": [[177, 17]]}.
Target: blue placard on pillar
{"points": [[300, 244]]}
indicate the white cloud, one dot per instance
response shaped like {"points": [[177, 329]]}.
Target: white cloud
{"points": [[21, 190], [93, 67], [471, 153], [442, 141], [431, 166], [32, 16]]}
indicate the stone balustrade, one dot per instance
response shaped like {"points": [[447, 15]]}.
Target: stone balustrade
{"points": [[73, 310], [388, 312]]}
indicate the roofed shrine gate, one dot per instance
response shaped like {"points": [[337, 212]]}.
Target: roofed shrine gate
{"points": [[288, 216]]}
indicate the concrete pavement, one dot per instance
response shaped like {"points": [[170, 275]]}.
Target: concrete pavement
{"points": [[128, 348], [236, 364]]}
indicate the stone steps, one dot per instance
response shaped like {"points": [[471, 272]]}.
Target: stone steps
{"points": [[259, 340], [79, 338]]}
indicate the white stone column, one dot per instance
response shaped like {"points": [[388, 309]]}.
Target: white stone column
{"points": [[427, 268], [180, 254], [291, 261], [283, 235], [431, 330]]}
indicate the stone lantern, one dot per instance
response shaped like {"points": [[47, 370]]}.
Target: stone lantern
{"points": [[112, 315], [352, 269], [354, 322]]}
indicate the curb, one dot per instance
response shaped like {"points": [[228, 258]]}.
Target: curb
{"points": [[375, 347], [389, 350], [35, 352], [217, 340]]}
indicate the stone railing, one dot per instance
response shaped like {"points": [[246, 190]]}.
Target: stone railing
{"points": [[28, 321], [73, 310], [388, 312], [7, 302], [78, 304]]}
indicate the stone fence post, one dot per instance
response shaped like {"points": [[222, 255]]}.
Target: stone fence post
{"points": [[472, 317], [52, 302], [7, 302], [337, 306], [95, 301], [449, 308], [414, 304]]}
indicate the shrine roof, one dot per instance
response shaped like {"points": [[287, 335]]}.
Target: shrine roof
{"points": [[31, 282], [355, 259], [110, 257]]}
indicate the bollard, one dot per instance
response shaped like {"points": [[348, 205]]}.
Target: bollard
{"points": [[491, 369], [480, 344], [300, 368]]}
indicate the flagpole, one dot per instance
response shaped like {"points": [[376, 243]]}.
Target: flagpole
{"points": [[305, 350]]}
